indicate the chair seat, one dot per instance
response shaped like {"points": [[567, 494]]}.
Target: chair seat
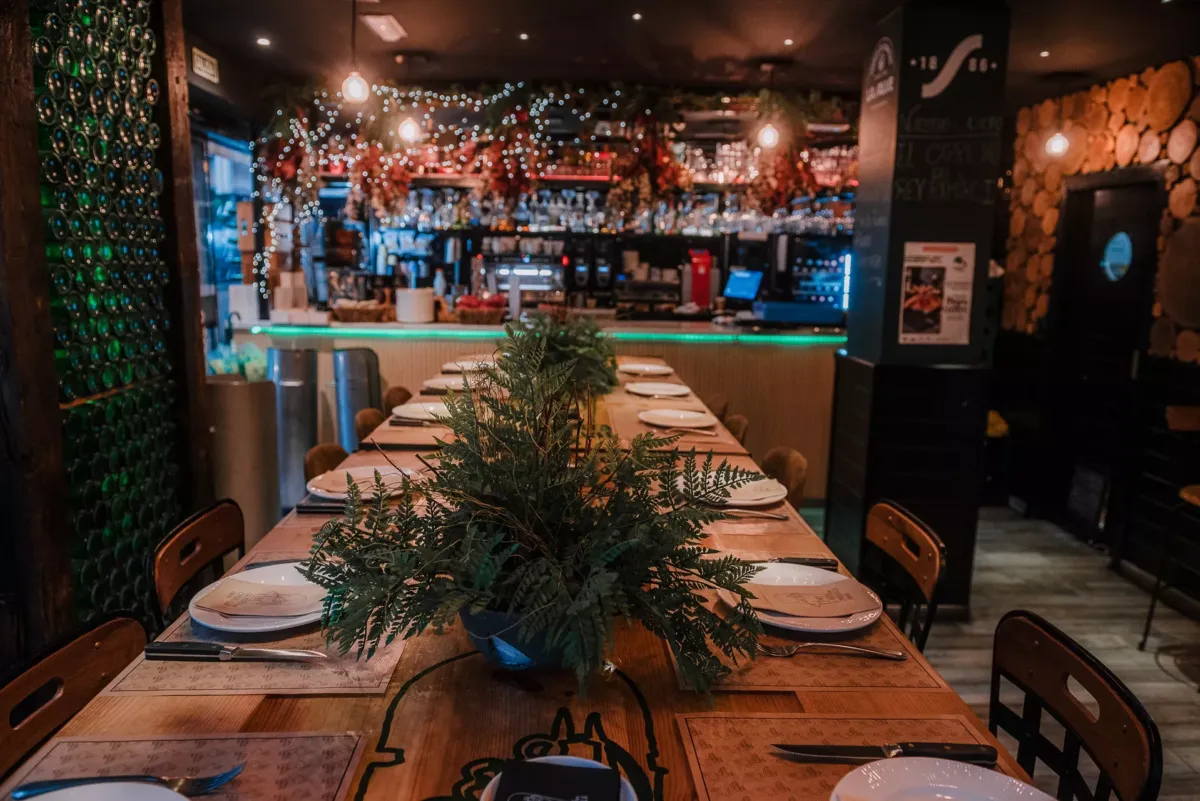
{"points": [[1191, 494]]}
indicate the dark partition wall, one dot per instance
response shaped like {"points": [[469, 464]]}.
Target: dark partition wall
{"points": [[106, 450]]}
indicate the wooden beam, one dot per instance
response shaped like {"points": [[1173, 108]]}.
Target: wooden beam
{"points": [[34, 547], [182, 294]]}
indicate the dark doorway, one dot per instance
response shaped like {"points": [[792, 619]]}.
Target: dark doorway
{"points": [[1105, 265]]}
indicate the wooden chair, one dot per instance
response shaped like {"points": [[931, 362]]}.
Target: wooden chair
{"points": [[737, 425], [719, 405], [903, 562], [196, 543], [789, 467], [366, 421], [41, 698], [1112, 726], [323, 458], [395, 396]]}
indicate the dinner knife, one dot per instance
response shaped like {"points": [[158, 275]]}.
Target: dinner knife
{"points": [[216, 652], [823, 562], [971, 753], [401, 421]]}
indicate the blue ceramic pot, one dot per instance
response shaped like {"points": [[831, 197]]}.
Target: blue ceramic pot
{"points": [[494, 634]]}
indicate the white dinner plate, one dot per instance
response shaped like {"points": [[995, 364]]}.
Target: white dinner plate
{"points": [[627, 793], [651, 388], [677, 418], [456, 382], [919, 778], [784, 575], [332, 485], [645, 368], [286, 575], [421, 410], [115, 791], [469, 364], [763, 492]]}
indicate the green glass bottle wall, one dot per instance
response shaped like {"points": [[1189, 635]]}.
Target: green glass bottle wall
{"points": [[94, 64]]}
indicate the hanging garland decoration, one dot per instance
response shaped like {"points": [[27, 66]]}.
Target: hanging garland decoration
{"points": [[513, 159], [382, 177], [649, 171], [782, 178]]}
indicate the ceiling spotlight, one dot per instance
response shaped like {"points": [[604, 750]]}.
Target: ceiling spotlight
{"points": [[355, 88], [768, 136], [788, 43], [385, 26], [262, 41], [1044, 54], [637, 17], [524, 37], [1057, 145], [409, 130]]}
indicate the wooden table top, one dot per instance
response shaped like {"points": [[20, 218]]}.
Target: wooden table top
{"points": [[448, 720]]}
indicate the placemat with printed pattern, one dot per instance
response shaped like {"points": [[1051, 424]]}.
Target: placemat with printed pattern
{"points": [[730, 756], [279, 766]]}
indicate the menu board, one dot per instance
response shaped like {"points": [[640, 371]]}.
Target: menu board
{"points": [[935, 293]]}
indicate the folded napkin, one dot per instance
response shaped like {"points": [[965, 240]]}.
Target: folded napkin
{"points": [[839, 599], [236, 598]]}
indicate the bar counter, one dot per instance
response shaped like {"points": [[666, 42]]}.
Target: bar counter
{"points": [[782, 382]]}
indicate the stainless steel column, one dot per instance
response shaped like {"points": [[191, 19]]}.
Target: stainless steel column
{"points": [[295, 375], [245, 449], [356, 374]]}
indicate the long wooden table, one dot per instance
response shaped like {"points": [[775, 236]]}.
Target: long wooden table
{"points": [[447, 720]]}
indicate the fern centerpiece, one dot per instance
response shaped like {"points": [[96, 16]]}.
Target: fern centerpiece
{"points": [[578, 340], [539, 531]]}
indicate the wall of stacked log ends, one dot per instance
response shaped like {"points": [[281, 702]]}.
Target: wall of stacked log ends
{"points": [[1149, 118]]}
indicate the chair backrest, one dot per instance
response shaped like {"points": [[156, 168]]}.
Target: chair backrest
{"points": [[903, 561], [395, 396], [737, 425], [1112, 727], [718, 404], [44, 696], [789, 467], [366, 421], [195, 544], [323, 458]]}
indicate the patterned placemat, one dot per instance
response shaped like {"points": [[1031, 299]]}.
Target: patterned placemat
{"points": [[279, 766], [338, 675], [730, 757]]}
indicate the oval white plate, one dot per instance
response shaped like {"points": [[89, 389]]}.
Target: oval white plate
{"points": [[456, 382], [652, 388], [677, 418], [911, 778], [287, 575], [764, 492], [332, 485], [421, 410], [468, 364], [115, 791], [627, 793], [644, 368], [785, 575]]}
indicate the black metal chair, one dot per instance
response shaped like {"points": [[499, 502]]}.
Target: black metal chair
{"points": [[1121, 738], [902, 562]]}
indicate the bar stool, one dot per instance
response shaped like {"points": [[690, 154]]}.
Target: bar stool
{"points": [[198, 542], [44, 696], [1121, 738], [789, 467], [366, 421], [395, 396], [903, 561], [322, 458], [738, 425]]}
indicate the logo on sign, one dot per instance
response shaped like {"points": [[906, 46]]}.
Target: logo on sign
{"points": [[881, 72], [962, 55], [205, 65]]}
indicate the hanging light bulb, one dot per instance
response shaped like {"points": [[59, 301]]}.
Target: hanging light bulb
{"points": [[1057, 145], [355, 88], [409, 130], [768, 136]]}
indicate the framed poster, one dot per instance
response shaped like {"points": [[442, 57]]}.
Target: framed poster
{"points": [[935, 293]]}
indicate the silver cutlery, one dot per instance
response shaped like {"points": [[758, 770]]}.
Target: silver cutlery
{"points": [[685, 431], [787, 651], [971, 753], [184, 785], [823, 562], [753, 513], [216, 652]]}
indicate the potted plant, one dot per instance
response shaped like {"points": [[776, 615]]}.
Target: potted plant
{"points": [[579, 340], [537, 532]]}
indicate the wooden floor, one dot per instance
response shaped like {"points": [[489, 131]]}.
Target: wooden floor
{"points": [[1035, 565]]}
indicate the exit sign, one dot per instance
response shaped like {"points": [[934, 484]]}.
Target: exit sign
{"points": [[205, 65]]}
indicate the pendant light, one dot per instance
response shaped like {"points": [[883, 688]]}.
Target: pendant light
{"points": [[355, 88], [1058, 143], [768, 136]]}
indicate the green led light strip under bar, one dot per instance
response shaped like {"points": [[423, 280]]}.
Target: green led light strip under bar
{"points": [[705, 338]]}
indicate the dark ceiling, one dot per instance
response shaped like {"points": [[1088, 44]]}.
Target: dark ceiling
{"points": [[678, 42]]}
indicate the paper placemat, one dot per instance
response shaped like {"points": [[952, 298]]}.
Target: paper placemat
{"points": [[388, 436], [279, 766], [339, 675], [624, 421], [730, 756]]}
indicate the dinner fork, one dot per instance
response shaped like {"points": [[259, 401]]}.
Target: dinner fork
{"points": [[753, 514], [184, 785], [786, 651], [686, 431]]}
